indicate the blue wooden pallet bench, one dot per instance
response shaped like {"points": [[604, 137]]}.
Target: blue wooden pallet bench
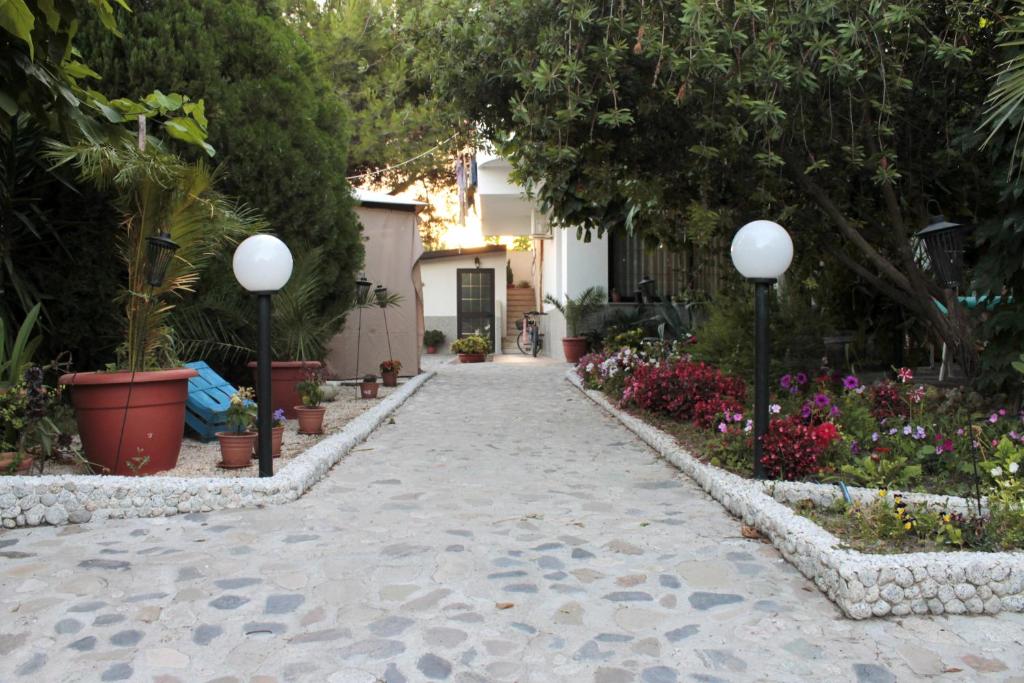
{"points": [[209, 396]]}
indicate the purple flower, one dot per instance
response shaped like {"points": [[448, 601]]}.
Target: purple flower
{"points": [[722, 427], [907, 430], [855, 447], [737, 417], [821, 400], [851, 382], [279, 415], [801, 378], [793, 389], [993, 418], [805, 411], [834, 411], [919, 433], [786, 381], [875, 436]]}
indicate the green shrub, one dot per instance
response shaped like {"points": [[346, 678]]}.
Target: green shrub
{"points": [[433, 337], [471, 344]]}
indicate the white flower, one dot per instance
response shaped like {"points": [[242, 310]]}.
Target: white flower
{"points": [[1013, 467], [775, 409], [997, 471]]}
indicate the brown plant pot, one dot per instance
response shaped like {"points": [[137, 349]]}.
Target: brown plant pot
{"points": [[574, 348], [284, 376], [389, 379], [311, 420], [431, 349], [153, 421], [236, 449], [472, 357], [276, 436], [368, 389], [8, 458]]}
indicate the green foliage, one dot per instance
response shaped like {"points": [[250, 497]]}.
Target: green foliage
{"points": [[882, 471], [278, 126], [633, 339], [241, 412], [472, 343], [311, 389], [16, 351], [433, 337], [155, 192], [576, 309]]}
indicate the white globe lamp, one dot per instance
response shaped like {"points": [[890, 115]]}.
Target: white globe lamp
{"points": [[262, 263], [762, 250]]}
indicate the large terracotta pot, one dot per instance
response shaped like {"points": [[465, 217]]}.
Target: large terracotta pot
{"points": [[284, 375], [472, 357], [311, 420], [574, 348], [236, 449], [153, 418], [389, 379]]}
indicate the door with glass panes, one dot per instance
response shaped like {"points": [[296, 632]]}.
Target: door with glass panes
{"points": [[476, 302]]}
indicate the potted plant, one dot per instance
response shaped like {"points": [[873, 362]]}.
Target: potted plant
{"points": [[471, 349], [276, 433], [576, 311], [368, 388], [131, 417], [389, 370], [311, 414], [433, 339], [31, 423], [237, 444]]}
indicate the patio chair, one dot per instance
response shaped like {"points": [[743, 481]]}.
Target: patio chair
{"points": [[209, 396]]}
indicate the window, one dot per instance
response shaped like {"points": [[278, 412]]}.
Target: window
{"points": [[693, 273]]}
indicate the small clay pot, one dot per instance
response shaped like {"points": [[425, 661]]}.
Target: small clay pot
{"points": [[311, 420], [236, 449], [276, 435], [389, 379], [369, 389], [431, 349], [472, 357], [8, 458]]}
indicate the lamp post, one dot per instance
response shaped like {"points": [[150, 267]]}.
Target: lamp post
{"points": [[362, 299], [761, 252], [262, 265], [381, 294]]}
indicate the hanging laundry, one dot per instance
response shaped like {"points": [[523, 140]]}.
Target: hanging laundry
{"points": [[473, 177], [460, 183]]}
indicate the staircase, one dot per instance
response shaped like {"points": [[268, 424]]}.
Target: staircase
{"points": [[520, 301]]}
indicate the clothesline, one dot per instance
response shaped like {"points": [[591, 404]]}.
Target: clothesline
{"points": [[403, 163]]}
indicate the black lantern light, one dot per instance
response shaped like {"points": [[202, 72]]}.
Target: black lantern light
{"points": [[381, 294], [159, 251], [646, 287], [362, 289], [944, 242]]}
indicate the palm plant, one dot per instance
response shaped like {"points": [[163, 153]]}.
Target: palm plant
{"points": [[301, 331], [157, 192], [577, 309]]}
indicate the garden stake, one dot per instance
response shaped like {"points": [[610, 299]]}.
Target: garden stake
{"points": [[974, 463]]}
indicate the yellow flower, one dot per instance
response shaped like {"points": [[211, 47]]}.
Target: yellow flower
{"points": [[983, 22], [947, 518], [882, 493], [908, 525]]}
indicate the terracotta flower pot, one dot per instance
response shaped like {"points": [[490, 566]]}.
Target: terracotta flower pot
{"points": [[276, 436], [236, 449], [389, 379], [153, 422], [472, 357], [369, 389], [574, 348], [284, 375], [8, 458], [431, 349], [311, 420]]}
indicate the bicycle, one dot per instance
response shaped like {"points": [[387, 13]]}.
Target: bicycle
{"points": [[529, 340]]}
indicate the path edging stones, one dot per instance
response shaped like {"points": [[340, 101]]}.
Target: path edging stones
{"points": [[77, 498], [860, 584]]}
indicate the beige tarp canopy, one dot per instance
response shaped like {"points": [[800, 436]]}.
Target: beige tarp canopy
{"points": [[393, 247]]}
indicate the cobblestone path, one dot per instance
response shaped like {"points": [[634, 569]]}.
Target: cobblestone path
{"points": [[501, 529]]}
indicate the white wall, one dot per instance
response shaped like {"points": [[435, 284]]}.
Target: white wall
{"points": [[440, 286]]}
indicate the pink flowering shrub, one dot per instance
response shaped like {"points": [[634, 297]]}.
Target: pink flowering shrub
{"points": [[686, 391]]}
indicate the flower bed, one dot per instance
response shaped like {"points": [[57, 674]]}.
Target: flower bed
{"points": [[862, 585], [832, 428], [60, 499]]}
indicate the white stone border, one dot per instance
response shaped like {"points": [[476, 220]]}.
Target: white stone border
{"points": [[862, 585], [76, 498]]}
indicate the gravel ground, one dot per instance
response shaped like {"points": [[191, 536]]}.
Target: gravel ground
{"points": [[199, 459]]}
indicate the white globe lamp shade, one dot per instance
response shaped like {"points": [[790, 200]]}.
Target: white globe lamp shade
{"points": [[262, 263], [762, 250]]}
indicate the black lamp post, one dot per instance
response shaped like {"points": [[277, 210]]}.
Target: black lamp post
{"points": [[646, 287], [362, 299], [262, 265], [159, 252], [761, 251], [944, 242]]}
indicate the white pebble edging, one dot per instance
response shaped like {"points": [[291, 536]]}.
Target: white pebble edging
{"points": [[76, 498], [862, 585]]}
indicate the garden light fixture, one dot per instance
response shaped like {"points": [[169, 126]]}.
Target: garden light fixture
{"points": [[263, 265], [646, 288], [381, 294], [362, 289], [159, 251], [761, 252], [944, 242]]}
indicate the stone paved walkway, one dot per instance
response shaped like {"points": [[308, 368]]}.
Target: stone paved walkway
{"points": [[502, 529]]}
